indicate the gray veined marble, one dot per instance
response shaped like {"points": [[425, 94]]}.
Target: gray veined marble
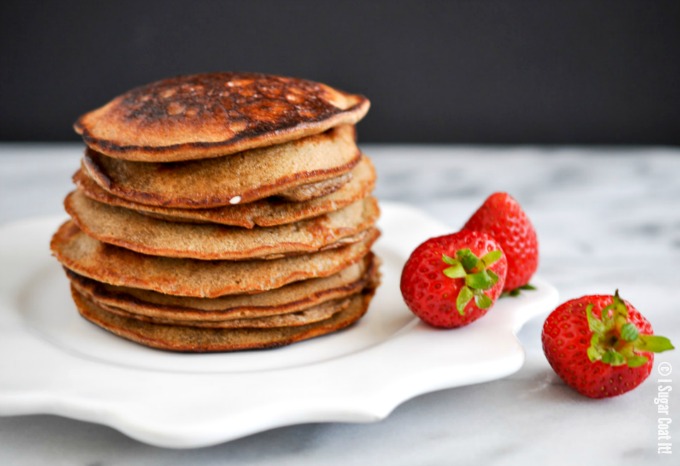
{"points": [[607, 218]]}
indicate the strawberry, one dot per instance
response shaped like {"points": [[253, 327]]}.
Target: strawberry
{"points": [[600, 345], [452, 280], [501, 217]]}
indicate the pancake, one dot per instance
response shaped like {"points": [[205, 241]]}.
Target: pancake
{"points": [[215, 114], [307, 192], [316, 313], [191, 277], [287, 299], [266, 212], [192, 339], [238, 178], [129, 229]]}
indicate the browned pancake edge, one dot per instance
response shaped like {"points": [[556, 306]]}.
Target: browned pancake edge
{"points": [[192, 339], [195, 278], [287, 299], [238, 179], [267, 212], [131, 230]]}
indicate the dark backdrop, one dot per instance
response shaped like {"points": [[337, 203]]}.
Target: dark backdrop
{"points": [[480, 71]]}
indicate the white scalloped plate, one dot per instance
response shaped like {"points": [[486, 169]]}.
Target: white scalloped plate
{"points": [[54, 362]]}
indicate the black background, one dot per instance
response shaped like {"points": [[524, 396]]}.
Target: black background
{"points": [[504, 71]]}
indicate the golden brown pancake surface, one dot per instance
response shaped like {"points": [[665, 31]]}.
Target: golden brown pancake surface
{"points": [[307, 192], [290, 298], [239, 178], [129, 229], [193, 339], [312, 314], [266, 212], [215, 114], [191, 277]]}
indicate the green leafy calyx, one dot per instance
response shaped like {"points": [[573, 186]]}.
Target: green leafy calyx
{"points": [[477, 275], [616, 341]]}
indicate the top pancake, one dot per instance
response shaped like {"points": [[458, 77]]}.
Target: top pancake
{"points": [[210, 115]]}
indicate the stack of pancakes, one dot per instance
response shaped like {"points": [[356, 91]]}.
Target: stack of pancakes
{"points": [[222, 211]]}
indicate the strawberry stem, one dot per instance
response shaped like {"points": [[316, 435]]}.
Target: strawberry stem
{"points": [[477, 275], [616, 341]]}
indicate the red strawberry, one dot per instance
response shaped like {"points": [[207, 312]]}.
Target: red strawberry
{"points": [[452, 280], [600, 345], [503, 219]]}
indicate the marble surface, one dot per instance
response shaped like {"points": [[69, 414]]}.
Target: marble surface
{"points": [[607, 218]]}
